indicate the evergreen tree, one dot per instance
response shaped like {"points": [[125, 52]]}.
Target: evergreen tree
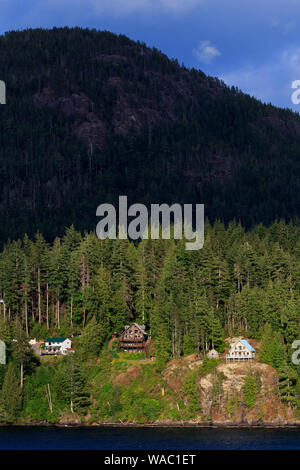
{"points": [[10, 396], [93, 338], [287, 380], [22, 352], [190, 393], [251, 389], [217, 387], [266, 348], [71, 387], [187, 347]]}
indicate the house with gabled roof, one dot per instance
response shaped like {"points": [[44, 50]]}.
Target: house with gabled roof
{"points": [[57, 345], [241, 350], [133, 338]]}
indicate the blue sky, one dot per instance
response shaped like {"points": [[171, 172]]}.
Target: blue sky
{"points": [[252, 44]]}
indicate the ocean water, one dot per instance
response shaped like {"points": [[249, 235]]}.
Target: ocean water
{"points": [[147, 438]]}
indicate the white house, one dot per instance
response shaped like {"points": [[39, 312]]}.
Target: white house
{"points": [[241, 350], [57, 345]]}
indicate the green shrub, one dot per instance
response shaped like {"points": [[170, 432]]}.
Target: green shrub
{"points": [[131, 356], [208, 366], [151, 409]]}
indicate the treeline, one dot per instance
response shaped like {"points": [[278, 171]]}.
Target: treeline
{"points": [[240, 283], [189, 300]]}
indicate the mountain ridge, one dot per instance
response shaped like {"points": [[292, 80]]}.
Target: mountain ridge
{"points": [[91, 115]]}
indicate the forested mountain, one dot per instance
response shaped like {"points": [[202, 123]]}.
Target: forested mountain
{"points": [[91, 115]]}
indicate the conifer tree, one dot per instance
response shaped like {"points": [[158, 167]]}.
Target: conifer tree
{"points": [[266, 348], [10, 396], [250, 389], [191, 393], [71, 387], [93, 338], [22, 351], [287, 380]]}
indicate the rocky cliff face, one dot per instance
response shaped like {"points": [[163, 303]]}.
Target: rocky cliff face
{"points": [[268, 408], [229, 408]]}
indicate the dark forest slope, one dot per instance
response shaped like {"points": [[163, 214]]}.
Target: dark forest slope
{"points": [[91, 115]]}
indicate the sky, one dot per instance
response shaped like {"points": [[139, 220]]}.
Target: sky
{"points": [[251, 44]]}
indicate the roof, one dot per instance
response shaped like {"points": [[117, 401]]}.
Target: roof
{"points": [[245, 343], [212, 353], [141, 327], [55, 340]]}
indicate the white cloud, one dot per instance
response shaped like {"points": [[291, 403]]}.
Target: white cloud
{"points": [[270, 82], [289, 26], [284, 27], [124, 7], [254, 81], [273, 22], [206, 52], [179, 5]]}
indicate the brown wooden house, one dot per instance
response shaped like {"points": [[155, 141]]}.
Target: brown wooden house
{"points": [[133, 338]]}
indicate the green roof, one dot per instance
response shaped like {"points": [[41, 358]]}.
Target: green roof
{"points": [[55, 340]]}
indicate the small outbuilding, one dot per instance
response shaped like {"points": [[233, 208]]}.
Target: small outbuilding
{"points": [[213, 354]]}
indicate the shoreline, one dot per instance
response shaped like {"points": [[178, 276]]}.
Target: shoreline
{"points": [[206, 425]]}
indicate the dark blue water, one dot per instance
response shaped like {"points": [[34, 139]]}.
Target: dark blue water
{"points": [[114, 438]]}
